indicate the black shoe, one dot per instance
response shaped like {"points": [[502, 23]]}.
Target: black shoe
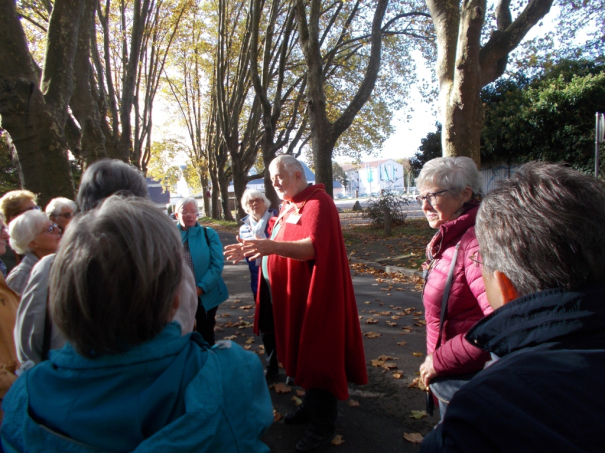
{"points": [[271, 374], [297, 416], [315, 439], [290, 381]]}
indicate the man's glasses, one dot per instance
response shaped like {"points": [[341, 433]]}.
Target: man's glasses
{"points": [[66, 215], [430, 198]]}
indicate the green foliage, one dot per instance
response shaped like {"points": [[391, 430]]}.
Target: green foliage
{"points": [[339, 174], [549, 118], [430, 148], [376, 207], [161, 166], [9, 176], [192, 177]]}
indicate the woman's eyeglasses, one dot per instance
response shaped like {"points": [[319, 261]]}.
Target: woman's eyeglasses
{"points": [[429, 197], [51, 229]]}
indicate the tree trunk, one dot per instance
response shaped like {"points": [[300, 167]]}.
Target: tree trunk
{"points": [[34, 117], [464, 67]]}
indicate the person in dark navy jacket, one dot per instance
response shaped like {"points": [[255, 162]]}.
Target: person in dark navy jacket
{"points": [[542, 241]]}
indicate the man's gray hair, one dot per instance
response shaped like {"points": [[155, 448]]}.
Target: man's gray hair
{"points": [[24, 229], [107, 177], [54, 207], [545, 228], [252, 194], [184, 202], [115, 276], [452, 173], [289, 163]]}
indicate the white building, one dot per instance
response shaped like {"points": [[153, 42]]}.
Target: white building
{"points": [[371, 177]]}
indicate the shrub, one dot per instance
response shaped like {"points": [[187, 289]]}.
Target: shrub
{"points": [[375, 209]]}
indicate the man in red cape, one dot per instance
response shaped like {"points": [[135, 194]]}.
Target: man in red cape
{"points": [[317, 330]]}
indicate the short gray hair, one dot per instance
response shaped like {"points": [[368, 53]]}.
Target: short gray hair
{"points": [[24, 229], [54, 207], [452, 173], [289, 163], [184, 202], [251, 194], [107, 177], [544, 229], [115, 276]]}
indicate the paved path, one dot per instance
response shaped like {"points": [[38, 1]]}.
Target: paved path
{"points": [[377, 425]]}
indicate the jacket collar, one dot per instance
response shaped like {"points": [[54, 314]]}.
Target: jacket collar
{"points": [[193, 231], [550, 316], [450, 232]]}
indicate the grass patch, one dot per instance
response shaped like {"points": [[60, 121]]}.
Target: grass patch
{"points": [[220, 224]]}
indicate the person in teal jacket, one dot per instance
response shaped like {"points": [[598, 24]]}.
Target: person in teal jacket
{"points": [[127, 380], [204, 255]]}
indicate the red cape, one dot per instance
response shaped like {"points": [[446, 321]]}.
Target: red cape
{"points": [[317, 328]]}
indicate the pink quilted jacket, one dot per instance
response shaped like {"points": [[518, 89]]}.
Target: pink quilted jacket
{"points": [[467, 302]]}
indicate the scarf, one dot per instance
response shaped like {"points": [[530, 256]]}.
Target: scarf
{"points": [[258, 228]]}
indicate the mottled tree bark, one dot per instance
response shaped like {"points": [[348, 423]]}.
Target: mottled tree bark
{"points": [[35, 114], [325, 133], [464, 67]]}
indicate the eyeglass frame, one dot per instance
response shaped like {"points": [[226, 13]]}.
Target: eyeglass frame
{"points": [[184, 213], [421, 199], [65, 215], [51, 229]]}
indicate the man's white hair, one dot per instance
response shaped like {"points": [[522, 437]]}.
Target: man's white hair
{"points": [[289, 163], [56, 205]]}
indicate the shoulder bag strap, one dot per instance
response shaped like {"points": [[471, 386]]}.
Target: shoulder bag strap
{"points": [[446, 295], [206, 235]]}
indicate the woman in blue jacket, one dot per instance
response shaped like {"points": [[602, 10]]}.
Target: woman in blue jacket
{"points": [[127, 380], [204, 255]]}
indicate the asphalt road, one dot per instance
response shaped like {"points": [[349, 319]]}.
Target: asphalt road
{"points": [[378, 424]]}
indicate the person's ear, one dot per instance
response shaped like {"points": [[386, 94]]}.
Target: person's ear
{"points": [[467, 194], [505, 287]]}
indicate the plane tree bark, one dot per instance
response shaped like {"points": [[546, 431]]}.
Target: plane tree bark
{"points": [[465, 66], [34, 111]]}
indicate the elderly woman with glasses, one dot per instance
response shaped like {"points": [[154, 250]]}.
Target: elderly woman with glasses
{"points": [[256, 226], [127, 380], [204, 255], [61, 210], [454, 294], [34, 236]]}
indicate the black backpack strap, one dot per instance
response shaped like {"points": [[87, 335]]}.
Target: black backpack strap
{"points": [[446, 295], [206, 235]]}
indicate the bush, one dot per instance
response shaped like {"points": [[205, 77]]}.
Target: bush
{"points": [[375, 209]]}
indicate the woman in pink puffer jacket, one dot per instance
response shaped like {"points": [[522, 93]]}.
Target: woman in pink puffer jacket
{"points": [[450, 189]]}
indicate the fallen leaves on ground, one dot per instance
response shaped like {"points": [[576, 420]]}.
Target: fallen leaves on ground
{"points": [[276, 416], [418, 414], [367, 302], [300, 393], [231, 337], [414, 438], [247, 347], [417, 354], [247, 307], [282, 388], [417, 383], [372, 335], [297, 400], [337, 440], [392, 324], [225, 315], [371, 321], [250, 340], [398, 374], [353, 403], [402, 343]]}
